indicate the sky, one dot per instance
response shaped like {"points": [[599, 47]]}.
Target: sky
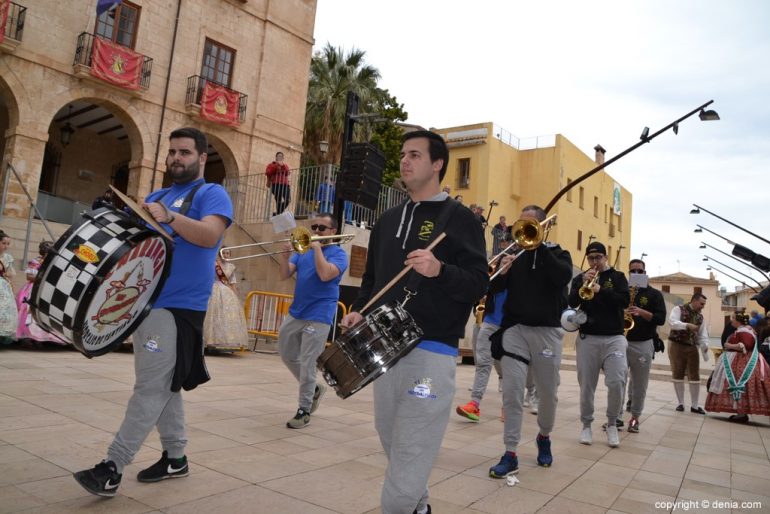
{"points": [[598, 72]]}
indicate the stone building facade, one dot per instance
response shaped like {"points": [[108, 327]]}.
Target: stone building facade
{"points": [[260, 50]]}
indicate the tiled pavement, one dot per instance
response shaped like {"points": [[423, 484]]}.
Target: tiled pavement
{"points": [[58, 412]]}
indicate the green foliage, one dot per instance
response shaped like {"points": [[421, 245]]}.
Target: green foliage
{"points": [[332, 74]]}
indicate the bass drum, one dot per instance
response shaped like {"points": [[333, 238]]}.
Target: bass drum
{"points": [[368, 349], [100, 280]]}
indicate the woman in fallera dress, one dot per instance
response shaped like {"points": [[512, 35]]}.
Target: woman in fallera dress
{"points": [[741, 380], [27, 329], [9, 315], [225, 324]]}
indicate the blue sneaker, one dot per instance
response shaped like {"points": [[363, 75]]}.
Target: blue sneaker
{"points": [[508, 465], [544, 457]]}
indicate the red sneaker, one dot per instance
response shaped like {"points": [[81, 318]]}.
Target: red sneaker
{"points": [[470, 410]]}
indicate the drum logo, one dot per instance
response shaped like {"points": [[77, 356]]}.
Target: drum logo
{"points": [[121, 298], [86, 254], [421, 389]]}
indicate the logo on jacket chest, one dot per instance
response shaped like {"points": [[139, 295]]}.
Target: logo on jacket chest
{"points": [[643, 301], [608, 284], [426, 229]]}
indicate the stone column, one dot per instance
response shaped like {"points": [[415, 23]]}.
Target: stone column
{"points": [[24, 150]]}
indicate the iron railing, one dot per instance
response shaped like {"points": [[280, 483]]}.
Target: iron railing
{"points": [[14, 24], [253, 201], [195, 85], [84, 55]]}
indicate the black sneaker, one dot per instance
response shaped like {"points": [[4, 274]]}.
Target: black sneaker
{"points": [[101, 480], [300, 420], [163, 469]]}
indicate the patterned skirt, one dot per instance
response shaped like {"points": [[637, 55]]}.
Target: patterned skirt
{"points": [[756, 396], [225, 324]]}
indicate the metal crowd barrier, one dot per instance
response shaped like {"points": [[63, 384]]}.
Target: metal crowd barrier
{"points": [[265, 311]]}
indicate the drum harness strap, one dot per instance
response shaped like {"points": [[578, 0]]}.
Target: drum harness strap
{"points": [[186, 204]]}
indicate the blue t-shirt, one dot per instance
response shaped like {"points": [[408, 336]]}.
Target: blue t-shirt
{"points": [[314, 299], [496, 316], [189, 283]]}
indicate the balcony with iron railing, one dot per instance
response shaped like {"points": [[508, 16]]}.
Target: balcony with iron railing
{"points": [[195, 85], [253, 201], [14, 26], [84, 59]]}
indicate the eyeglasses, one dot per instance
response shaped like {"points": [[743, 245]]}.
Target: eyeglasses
{"points": [[596, 257], [320, 228], [639, 271]]}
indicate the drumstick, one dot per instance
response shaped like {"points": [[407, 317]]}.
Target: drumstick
{"points": [[134, 206], [403, 272]]}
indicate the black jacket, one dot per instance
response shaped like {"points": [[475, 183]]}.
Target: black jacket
{"points": [[649, 299], [537, 287], [442, 304], [605, 311]]}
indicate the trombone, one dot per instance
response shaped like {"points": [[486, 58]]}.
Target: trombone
{"points": [[527, 234], [299, 239]]}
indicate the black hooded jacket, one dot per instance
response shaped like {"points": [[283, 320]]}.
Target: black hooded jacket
{"points": [[442, 304]]}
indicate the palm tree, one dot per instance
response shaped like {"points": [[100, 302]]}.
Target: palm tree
{"points": [[332, 74]]}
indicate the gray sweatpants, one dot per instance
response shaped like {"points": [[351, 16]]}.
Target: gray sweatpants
{"points": [[542, 346], [153, 403], [639, 357], [483, 359], [594, 353], [300, 343], [412, 402]]}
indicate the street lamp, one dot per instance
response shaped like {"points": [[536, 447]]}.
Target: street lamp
{"points": [[707, 258], [710, 115], [709, 268], [737, 252], [646, 137], [698, 208], [323, 147]]}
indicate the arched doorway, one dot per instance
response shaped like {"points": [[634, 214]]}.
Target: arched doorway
{"points": [[89, 148]]}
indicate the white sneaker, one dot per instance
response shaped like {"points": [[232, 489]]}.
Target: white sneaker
{"points": [[533, 407], [585, 436], [526, 403], [613, 439]]}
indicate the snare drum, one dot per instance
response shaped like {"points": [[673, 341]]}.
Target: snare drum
{"points": [[368, 349], [99, 281]]}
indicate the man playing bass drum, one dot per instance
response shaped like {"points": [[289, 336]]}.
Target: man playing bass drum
{"points": [[536, 282]]}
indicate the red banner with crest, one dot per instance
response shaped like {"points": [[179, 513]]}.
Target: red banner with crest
{"points": [[4, 6], [220, 104], [116, 64]]}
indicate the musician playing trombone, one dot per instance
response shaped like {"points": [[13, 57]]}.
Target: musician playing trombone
{"points": [[303, 333], [602, 293], [536, 284]]}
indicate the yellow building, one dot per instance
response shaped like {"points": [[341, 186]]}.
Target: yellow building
{"points": [[486, 164]]}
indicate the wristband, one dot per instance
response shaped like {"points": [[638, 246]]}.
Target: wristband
{"points": [[441, 269]]}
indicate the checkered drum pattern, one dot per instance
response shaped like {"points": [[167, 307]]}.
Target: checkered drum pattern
{"points": [[67, 282]]}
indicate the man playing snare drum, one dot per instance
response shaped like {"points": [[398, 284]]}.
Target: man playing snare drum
{"points": [[413, 399], [168, 345]]}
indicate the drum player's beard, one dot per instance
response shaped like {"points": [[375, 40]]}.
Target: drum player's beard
{"points": [[184, 175]]}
